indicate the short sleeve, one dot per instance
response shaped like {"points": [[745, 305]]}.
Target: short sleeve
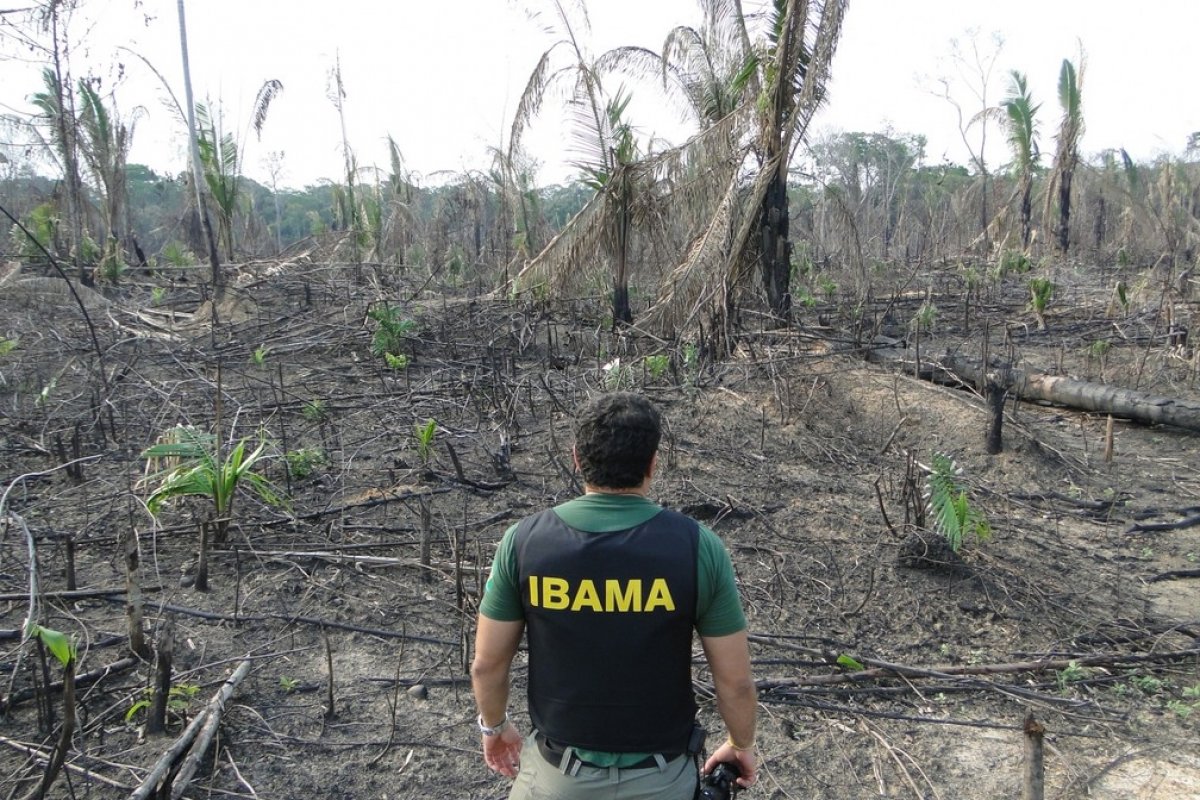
{"points": [[718, 607], [502, 594]]}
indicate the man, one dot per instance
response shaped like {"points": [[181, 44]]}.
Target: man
{"points": [[609, 587]]}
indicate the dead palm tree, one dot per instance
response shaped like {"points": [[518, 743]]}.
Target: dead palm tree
{"points": [[1066, 156], [751, 220], [709, 68], [105, 141], [717, 204], [602, 141]]}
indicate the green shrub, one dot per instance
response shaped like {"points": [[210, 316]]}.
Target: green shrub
{"points": [[951, 510], [305, 461], [391, 330], [43, 225], [1014, 261], [424, 433], [177, 255], [314, 410], [657, 365]]}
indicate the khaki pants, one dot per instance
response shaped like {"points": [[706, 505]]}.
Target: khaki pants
{"points": [[540, 780]]}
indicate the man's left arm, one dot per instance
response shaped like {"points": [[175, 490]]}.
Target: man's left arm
{"points": [[496, 643]]}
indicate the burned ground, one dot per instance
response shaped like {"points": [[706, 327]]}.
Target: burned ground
{"points": [[805, 459]]}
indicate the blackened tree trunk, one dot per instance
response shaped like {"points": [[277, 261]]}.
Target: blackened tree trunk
{"points": [[776, 255], [996, 395], [1026, 213], [622, 313], [1064, 210]]}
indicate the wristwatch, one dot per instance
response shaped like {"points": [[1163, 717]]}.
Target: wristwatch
{"points": [[493, 730]]}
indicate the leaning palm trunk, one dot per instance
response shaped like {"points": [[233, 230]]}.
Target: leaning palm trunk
{"points": [[198, 168]]}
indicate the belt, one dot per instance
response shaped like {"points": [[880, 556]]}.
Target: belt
{"points": [[555, 754]]}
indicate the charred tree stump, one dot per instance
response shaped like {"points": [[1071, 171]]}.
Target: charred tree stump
{"points": [[996, 395], [426, 539], [202, 559], [133, 593], [1034, 785], [69, 552], [156, 721], [58, 756]]}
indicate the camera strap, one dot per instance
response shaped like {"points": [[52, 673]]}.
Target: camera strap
{"points": [[695, 744], [694, 749]]}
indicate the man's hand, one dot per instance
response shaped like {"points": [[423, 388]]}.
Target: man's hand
{"points": [[737, 702], [746, 761], [502, 752]]}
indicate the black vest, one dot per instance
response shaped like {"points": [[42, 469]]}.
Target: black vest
{"points": [[609, 619]]}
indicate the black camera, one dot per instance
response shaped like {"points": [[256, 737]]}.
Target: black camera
{"points": [[721, 783]]}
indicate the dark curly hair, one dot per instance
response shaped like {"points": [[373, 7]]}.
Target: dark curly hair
{"points": [[616, 436]]}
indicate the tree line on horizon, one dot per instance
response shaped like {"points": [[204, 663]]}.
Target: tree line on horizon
{"points": [[747, 211]]}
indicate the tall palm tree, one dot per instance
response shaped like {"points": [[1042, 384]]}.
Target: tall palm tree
{"points": [[105, 141], [1066, 156], [1020, 122], [602, 139], [56, 109], [198, 179]]}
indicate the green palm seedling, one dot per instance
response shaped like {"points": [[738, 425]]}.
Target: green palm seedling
{"points": [[425, 433], [194, 467], [952, 512], [1041, 292], [389, 337]]}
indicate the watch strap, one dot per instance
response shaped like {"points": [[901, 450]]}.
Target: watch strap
{"points": [[492, 730]]}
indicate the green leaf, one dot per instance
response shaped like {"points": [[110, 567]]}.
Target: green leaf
{"points": [[849, 663], [136, 707], [55, 641]]}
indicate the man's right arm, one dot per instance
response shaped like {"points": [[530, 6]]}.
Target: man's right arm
{"points": [[737, 701], [495, 645]]}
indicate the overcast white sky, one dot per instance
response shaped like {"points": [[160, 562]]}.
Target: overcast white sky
{"points": [[443, 78]]}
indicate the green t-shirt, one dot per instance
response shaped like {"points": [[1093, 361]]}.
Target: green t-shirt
{"points": [[718, 607]]}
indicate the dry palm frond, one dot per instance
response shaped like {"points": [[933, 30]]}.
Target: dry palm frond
{"points": [[816, 73], [696, 281], [262, 103], [699, 285], [675, 191], [577, 244], [41, 288]]}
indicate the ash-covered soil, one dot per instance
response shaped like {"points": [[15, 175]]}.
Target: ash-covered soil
{"points": [[355, 601]]}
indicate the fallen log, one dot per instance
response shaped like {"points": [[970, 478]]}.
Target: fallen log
{"points": [[203, 739], [205, 722], [86, 679], [1186, 522], [883, 670], [1054, 389]]}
